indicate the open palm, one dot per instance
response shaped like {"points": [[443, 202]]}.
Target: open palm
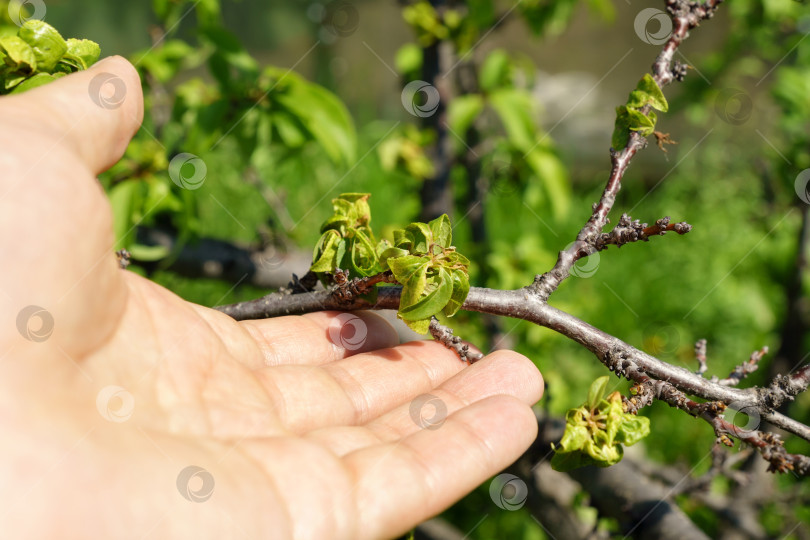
{"points": [[129, 411]]}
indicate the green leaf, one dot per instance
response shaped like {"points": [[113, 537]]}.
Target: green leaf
{"points": [[631, 119], [597, 391], [461, 287], [454, 258], [553, 178], [495, 71], [144, 253], [568, 461], [407, 269], [81, 53], [122, 200], [18, 54], [419, 237], [462, 112], [39, 79], [420, 327], [364, 261], [621, 130], [48, 45], [652, 92], [325, 258], [441, 231], [516, 111], [390, 253], [165, 61], [437, 292], [290, 130], [633, 429], [408, 58], [573, 439], [324, 116]]}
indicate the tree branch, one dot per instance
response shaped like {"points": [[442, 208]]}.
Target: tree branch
{"points": [[618, 356], [685, 16]]}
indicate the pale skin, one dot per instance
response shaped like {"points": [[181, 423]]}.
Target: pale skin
{"points": [[303, 438]]}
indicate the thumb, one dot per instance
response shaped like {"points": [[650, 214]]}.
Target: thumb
{"points": [[94, 113]]}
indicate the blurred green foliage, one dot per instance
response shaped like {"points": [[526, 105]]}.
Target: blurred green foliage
{"points": [[731, 176]]}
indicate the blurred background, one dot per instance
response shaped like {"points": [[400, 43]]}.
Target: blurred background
{"points": [[280, 106]]}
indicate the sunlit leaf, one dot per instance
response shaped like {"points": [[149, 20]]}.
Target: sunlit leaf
{"points": [[46, 42], [597, 391], [461, 288], [437, 293]]}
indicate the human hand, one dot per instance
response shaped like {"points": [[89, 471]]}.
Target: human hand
{"points": [[299, 437]]}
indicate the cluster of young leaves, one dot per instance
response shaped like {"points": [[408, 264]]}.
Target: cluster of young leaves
{"points": [[629, 116], [347, 241], [37, 54], [434, 276], [595, 432]]}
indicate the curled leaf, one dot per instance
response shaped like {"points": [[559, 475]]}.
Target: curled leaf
{"points": [[437, 292], [597, 391], [81, 53], [47, 43]]}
